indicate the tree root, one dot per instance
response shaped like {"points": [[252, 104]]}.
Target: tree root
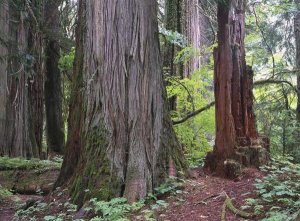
{"points": [[228, 204]]}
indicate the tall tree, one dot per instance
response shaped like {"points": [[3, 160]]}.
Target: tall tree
{"points": [[194, 28], [53, 90], [36, 77], [73, 145], [237, 140], [297, 40], [19, 140], [128, 145], [4, 25], [173, 17]]}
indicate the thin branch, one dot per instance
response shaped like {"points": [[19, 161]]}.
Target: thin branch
{"points": [[193, 114], [271, 81], [185, 87]]}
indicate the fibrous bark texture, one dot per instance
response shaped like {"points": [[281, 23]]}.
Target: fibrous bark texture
{"points": [[73, 145], [297, 40], [4, 25], [21, 103], [194, 28], [36, 78], [237, 140], [128, 143], [172, 22], [18, 140], [53, 91], [173, 17]]}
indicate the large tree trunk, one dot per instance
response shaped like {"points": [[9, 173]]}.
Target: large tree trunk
{"points": [[237, 140], [18, 140], [53, 91], [73, 145], [4, 25], [128, 143]]}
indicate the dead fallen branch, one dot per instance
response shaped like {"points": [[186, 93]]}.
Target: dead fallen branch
{"points": [[228, 204]]}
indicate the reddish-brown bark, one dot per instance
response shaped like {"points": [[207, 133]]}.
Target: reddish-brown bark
{"points": [[237, 141]]}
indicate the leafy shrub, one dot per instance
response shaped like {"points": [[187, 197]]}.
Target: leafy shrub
{"points": [[197, 133], [279, 191]]}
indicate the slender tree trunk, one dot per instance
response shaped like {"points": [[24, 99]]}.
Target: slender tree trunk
{"points": [[173, 17], [194, 28], [4, 25], [297, 40], [53, 90], [36, 79], [73, 145], [128, 144], [237, 140]]}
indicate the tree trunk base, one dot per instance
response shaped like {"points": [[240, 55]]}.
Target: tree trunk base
{"points": [[247, 154]]}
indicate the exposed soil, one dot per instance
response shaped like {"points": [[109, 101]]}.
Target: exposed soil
{"points": [[27, 186], [9, 205], [204, 197]]}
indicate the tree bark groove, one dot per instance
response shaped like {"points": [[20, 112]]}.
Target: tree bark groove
{"points": [[127, 138], [237, 141]]}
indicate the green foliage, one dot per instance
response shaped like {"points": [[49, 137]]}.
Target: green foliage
{"points": [[7, 163], [4, 193], [118, 209], [196, 134], [271, 52], [65, 65], [115, 209], [279, 191], [174, 37], [171, 186]]}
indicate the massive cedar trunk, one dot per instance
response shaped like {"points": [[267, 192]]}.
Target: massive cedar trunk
{"points": [[194, 28], [128, 144], [73, 145], [53, 91], [237, 140], [18, 141], [4, 25]]}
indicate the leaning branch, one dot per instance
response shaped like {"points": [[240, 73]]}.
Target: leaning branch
{"points": [[194, 113], [257, 83], [271, 81]]}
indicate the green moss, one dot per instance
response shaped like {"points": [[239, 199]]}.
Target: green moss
{"points": [[7, 163], [95, 180]]}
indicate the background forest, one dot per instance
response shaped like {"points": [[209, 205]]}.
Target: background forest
{"points": [[111, 110]]}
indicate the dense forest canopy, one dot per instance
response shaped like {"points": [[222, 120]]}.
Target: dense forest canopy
{"points": [[120, 109]]}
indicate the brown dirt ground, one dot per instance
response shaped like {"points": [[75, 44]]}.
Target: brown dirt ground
{"points": [[204, 197]]}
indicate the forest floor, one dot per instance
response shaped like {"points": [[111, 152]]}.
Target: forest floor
{"points": [[204, 196], [200, 199]]}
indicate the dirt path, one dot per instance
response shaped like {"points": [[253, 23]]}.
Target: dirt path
{"points": [[203, 198], [9, 206]]}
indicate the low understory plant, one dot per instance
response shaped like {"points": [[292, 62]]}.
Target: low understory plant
{"points": [[278, 192], [118, 209], [7, 163]]}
